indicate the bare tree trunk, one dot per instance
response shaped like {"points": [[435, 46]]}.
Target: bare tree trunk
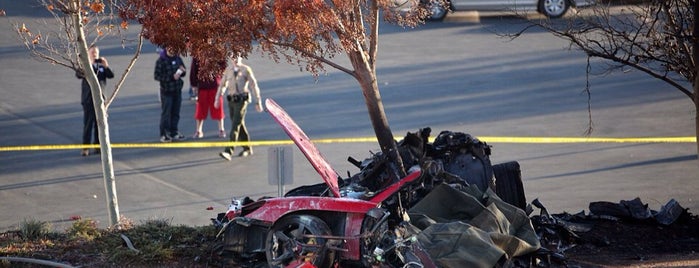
{"points": [[101, 114], [696, 96], [372, 97], [695, 59], [696, 111]]}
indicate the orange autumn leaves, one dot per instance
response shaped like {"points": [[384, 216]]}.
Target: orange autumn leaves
{"points": [[88, 8], [303, 32], [96, 6]]}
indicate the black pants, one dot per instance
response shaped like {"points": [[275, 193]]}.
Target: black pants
{"points": [[170, 113], [90, 124]]}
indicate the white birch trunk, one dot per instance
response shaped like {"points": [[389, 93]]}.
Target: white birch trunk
{"points": [[101, 114]]}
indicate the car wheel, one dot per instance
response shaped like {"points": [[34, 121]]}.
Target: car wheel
{"points": [[553, 8], [508, 184], [374, 228], [437, 9], [296, 239]]}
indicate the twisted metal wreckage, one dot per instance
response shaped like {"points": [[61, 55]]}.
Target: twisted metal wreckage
{"points": [[453, 209]]}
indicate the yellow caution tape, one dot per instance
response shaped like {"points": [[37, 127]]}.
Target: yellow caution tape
{"points": [[588, 140], [353, 140]]}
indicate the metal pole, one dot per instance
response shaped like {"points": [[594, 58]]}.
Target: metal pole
{"points": [[280, 169]]}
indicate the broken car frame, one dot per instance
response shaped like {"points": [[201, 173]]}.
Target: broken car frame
{"points": [[358, 221]]}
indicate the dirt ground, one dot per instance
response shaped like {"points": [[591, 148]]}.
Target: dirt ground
{"points": [[634, 243], [608, 243]]}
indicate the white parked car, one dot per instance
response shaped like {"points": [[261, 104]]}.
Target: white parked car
{"points": [[550, 8]]}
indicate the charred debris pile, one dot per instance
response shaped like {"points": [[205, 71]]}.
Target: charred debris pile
{"points": [[454, 209]]}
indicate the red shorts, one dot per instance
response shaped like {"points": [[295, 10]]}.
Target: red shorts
{"points": [[205, 103]]}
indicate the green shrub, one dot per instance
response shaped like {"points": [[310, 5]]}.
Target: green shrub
{"points": [[33, 230], [84, 229]]}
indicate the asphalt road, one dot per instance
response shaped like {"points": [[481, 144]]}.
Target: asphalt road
{"points": [[455, 75]]}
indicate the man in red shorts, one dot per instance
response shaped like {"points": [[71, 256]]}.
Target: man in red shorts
{"points": [[205, 88]]}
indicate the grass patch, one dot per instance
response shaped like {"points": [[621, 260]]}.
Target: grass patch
{"points": [[84, 229], [33, 230], [154, 243]]}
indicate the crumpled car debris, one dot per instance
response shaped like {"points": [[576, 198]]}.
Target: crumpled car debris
{"points": [[561, 232], [471, 228], [453, 209], [637, 210], [376, 218], [455, 214]]}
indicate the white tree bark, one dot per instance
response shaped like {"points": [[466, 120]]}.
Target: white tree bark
{"points": [[101, 114]]}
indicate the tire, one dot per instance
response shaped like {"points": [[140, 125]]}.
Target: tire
{"points": [[288, 233], [375, 221], [436, 9], [554, 8], [508, 184]]}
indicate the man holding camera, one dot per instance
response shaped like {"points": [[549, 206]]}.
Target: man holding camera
{"points": [[101, 68], [238, 81]]}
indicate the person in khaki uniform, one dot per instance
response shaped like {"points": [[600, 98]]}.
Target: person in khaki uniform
{"points": [[238, 82]]}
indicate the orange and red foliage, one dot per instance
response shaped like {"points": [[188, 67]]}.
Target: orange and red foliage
{"points": [[300, 31]]}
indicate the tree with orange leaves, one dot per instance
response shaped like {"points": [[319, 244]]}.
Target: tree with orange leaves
{"points": [[308, 33]]}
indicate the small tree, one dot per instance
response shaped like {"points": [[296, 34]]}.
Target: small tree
{"points": [[79, 24], [657, 37], [309, 33]]}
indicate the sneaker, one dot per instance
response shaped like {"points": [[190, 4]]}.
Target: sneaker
{"points": [[221, 133], [245, 153], [198, 135], [225, 155], [177, 137], [165, 139], [96, 151], [85, 152]]}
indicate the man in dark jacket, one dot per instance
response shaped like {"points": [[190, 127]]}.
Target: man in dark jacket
{"points": [[169, 70], [101, 68]]}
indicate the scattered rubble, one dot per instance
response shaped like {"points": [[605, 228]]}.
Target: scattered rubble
{"points": [[454, 209], [377, 218], [615, 232]]}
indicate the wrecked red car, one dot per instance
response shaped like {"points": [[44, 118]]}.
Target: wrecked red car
{"points": [[358, 221]]}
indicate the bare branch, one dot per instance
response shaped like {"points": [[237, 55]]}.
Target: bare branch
{"points": [[127, 70], [314, 56], [651, 38], [374, 36], [590, 122], [654, 37]]}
